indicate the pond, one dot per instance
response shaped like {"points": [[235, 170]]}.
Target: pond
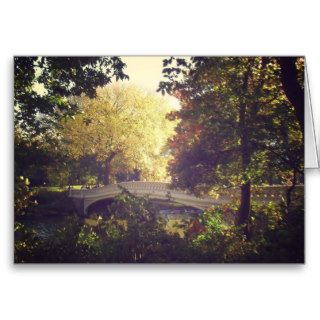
{"points": [[44, 225]]}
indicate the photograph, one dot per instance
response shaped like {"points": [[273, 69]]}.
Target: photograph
{"points": [[159, 159]]}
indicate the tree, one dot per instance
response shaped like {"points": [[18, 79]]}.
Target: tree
{"points": [[237, 127], [291, 86], [42, 86], [122, 128]]}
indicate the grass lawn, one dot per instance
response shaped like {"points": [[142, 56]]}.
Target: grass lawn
{"points": [[58, 189]]}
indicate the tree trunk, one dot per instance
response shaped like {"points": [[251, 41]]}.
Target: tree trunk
{"points": [[107, 171], [292, 88], [244, 209], [245, 204], [291, 188]]}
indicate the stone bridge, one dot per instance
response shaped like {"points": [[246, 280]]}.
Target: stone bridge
{"points": [[155, 190], [161, 191]]}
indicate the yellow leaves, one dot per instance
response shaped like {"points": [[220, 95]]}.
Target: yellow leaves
{"points": [[124, 120], [214, 194]]}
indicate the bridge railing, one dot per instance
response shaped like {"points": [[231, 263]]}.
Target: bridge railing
{"points": [[150, 187]]}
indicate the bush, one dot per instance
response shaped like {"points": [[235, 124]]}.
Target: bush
{"points": [[284, 242], [220, 241], [23, 196]]}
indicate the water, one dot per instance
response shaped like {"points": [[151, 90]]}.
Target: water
{"points": [[44, 226]]}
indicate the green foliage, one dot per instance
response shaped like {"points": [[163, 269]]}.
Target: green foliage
{"points": [[32, 156], [220, 241], [237, 127], [136, 233], [276, 235], [23, 196], [283, 241], [42, 90], [43, 84], [132, 232], [236, 124], [89, 241]]}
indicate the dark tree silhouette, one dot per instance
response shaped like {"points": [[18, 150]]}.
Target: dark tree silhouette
{"points": [[291, 87]]}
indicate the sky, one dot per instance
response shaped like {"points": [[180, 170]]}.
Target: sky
{"points": [[146, 72]]}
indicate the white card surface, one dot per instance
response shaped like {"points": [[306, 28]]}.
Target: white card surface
{"points": [[311, 160]]}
